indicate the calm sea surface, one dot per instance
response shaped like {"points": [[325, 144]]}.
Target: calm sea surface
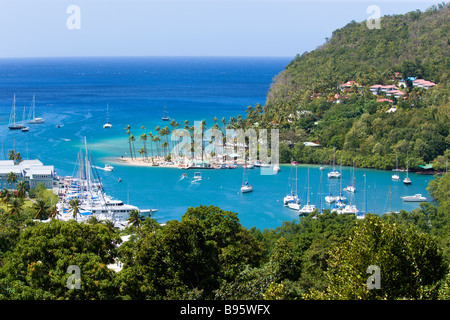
{"points": [[74, 93]]}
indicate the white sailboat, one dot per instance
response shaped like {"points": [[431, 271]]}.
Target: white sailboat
{"points": [[108, 124], [292, 197], [407, 180], [246, 187], [351, 188], [395, 176], [308, 207], [24, 128], [12, 117], [166, 115], [32, 114]]}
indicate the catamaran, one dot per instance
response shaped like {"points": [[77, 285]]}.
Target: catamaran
{"points": [[32, 114], [12, 117], [334, 174]]}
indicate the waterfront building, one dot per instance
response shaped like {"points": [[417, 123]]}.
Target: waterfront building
{"points": [[33, 171]]}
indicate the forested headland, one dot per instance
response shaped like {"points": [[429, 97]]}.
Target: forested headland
{"points": [[307, 104]]}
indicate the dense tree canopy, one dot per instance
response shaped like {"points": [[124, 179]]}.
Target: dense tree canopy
{"points": [[208, 254]]}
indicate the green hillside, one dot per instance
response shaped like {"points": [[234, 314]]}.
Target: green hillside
{"points": [[415, 44], [306, 103]]}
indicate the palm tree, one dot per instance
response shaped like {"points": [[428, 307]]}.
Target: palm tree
{"points": [[164, 145], [52, 212], [165, 133], [41, 209], [143, 139], [11, 178], [109, 224], [135, 218], [15, 206], [156, 139], [132, 139], [74, 205], [11, 154], [141, 151], [22, 188], [173, 124], [17, 157], [150, 136], [128, 128], [93, 220], [5, 196]]}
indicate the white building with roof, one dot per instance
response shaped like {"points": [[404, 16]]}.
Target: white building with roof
{"points": [[33, 171]]}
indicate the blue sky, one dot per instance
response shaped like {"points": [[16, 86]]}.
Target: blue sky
{"points": [[37, 28]]}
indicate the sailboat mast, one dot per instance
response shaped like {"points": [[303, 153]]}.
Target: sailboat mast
{"points": [[365, 195], [34, 108], [307, 196], [321, 181], [407, 162], [12, 117]]}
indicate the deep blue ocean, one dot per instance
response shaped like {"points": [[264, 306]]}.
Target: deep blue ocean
{"points": [[74, 93]]}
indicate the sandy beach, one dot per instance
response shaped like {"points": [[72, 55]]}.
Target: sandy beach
{"points": [[161, 162]]}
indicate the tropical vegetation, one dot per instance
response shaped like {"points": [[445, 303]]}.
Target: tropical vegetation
{"points": [[208, 254]]}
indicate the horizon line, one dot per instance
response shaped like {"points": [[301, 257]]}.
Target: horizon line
{"points": [[145, 56]]}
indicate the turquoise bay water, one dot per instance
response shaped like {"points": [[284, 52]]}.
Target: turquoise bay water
{"points": [[75, 92]]}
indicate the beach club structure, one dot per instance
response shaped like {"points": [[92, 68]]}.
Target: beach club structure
{"points": [[32, 171]]}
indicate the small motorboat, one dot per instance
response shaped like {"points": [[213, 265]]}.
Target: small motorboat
{"points": [[198, 176], [108, 167], [415, 198]]}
